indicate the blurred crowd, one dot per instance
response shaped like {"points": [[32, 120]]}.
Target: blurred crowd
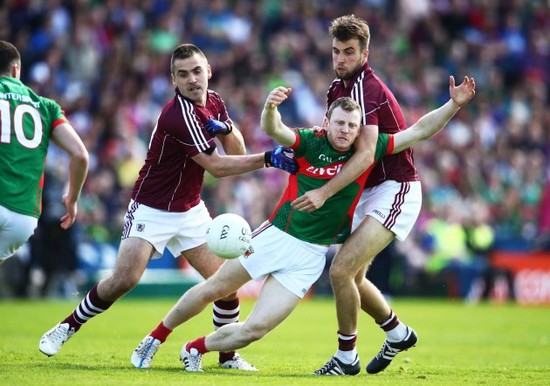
{"points": [[486, 177]]}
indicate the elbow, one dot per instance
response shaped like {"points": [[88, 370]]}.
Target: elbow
{"points": [[81, 156], [267, 129], [218, 171], [368, 158]]}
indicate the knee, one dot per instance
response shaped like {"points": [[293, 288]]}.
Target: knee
{"points": [[127, 284], [209, 293], [339, 274], [119, 285], [253, 332]]}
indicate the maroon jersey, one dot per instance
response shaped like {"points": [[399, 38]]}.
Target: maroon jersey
{"points": [[170, 180], [380, 108]]}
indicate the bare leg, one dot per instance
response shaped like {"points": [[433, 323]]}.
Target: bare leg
{"points": [[133, 255], [206, 263], [227, 280], [274, 305], [351, 291]]}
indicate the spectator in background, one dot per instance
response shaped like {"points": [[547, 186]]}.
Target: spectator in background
{"points": [[543, 240], [449, 251]]}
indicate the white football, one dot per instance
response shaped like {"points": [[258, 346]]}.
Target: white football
{"points": [[229, 236]]}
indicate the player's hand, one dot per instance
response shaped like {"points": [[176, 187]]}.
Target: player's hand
{"points": [[277, 96], [249, 251], [215, 127], [281, 158], [310, 201], [68, 219], [464, 92]]}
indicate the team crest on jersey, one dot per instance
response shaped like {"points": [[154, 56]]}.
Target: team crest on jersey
{"points": [[320, 133], [140, 227]]}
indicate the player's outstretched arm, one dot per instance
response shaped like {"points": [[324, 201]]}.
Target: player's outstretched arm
{"points": [[431, 123], [271, 120], [230, 165]]}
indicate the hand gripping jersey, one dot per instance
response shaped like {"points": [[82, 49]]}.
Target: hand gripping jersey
{"points": [[27, 121], [319, 162], [380, 108]]}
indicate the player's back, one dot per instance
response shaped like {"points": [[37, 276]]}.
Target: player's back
{"points": [[27, 123]]}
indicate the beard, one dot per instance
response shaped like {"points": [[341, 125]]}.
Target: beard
{"points": [[349, 74]]}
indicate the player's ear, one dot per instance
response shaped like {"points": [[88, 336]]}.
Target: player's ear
{"points": [[325, 123], [365, 55], [209, 70], [15, 70]]}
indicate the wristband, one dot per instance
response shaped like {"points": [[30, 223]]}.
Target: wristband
{"points": [[267, 159]]}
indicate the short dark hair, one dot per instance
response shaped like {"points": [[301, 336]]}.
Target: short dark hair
{"points": [[346, 104], [184, 51], [349, 27], [8, 55]]}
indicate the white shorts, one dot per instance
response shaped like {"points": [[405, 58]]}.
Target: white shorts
{"points": [[396, 205], [175, 231], [15, 230], [294, 263]]}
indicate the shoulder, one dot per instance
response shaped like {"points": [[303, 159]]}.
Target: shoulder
{"points": [[370, 81], [333, 88], [177, 112], [214, 97], [335, 84], [309, 139], [306, 133], [215, 102], [46, 104]]}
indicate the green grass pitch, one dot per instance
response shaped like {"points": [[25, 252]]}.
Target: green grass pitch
{"points": [[488, 344]]}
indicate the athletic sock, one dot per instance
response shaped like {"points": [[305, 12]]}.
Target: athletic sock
{"points": [[225, 312], [395, 330], [198, 344], [346, 347], [161, 332], [89, 307]]}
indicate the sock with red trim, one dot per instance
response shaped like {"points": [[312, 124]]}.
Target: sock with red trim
{"points": [[161, 332], [198, 344]]}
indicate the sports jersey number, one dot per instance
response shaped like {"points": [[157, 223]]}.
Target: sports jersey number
{"points": [[18, 127]]}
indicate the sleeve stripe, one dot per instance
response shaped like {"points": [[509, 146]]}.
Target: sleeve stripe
{"points": [[199, 140], [58, 122], [391, 145]]}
